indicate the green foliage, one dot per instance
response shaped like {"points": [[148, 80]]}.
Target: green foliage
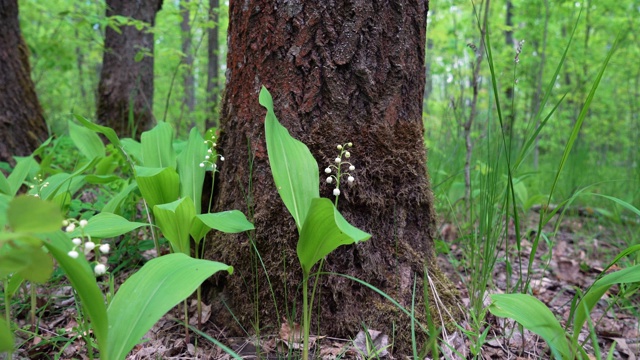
{"points": [[147, 295], [324, 230], [534, 316], [6, 336], [294, 169], [321, 227], [141, 300]]}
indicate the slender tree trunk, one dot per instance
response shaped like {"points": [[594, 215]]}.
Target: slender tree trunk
{"points": [[213, 65], [537, 96], [125, 91], [22, 122], [428, 87], [475, 85], [342, 71], [188, 81], [509, 41]]}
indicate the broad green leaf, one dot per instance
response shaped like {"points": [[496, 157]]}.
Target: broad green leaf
{"points": [[31, 214], [87, 141], [191, 174], [597, 290], [62, 200], [101, 179], [6, 336], [622, 203], [232, 221], [107, 165], [63, 182], [14, 284], [157, 147], [113, 206], [147, 295], [13, 259], [133, 148], [323, 231], [5, 187], [108, 225], [534, 316], [4, 205], [295, 171], [81, 276], [174, 219], [106, 131], [24, 167], [39, 264], [158, 185]]}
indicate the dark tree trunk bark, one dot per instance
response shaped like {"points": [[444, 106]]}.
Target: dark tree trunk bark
{"points": [[339, 71], [188, 81], [213, 65], [125, 91], [22, 123]]}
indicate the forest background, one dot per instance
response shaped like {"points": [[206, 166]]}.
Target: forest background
{"points": [[65, 39], [528, 40]]}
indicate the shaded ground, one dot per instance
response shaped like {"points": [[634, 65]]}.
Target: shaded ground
{"points": [[581, 248]]}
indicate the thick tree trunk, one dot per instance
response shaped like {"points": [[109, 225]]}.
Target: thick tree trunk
{"points": [[343, 71], [22, 123], [212, 66], [125, 91]]}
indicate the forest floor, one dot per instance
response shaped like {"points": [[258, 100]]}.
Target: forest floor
{"points": [[582, 249]]}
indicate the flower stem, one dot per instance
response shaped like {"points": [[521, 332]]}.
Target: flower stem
{"points": [[305, 315]]}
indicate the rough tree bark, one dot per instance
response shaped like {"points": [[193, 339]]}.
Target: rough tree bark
{"points": [[339, 71], [126, 79], [22, 122]]}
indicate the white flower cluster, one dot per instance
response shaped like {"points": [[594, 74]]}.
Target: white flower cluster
{"points": [[208, 163], [86, 246], [335, 170], [40, 184]]}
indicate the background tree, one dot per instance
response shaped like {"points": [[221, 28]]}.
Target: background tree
{"points": [[188, 79], [21, 120], [125, 91], [213, 63], [346, 71]]}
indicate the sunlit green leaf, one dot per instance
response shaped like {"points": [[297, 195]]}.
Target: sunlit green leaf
{"points": [[31, 214], [157, 147], [323, 231], [87, 141], [6, 336], [24, 167], [5, 187], [133, 149], [598, 289], [147, 295], [39, 267], [174, 219], [191, 174], [106, 131], [113, 206], [232, 221], [108, 225], [81, 276], [535, 317], [294, 169], [158, 185]]}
